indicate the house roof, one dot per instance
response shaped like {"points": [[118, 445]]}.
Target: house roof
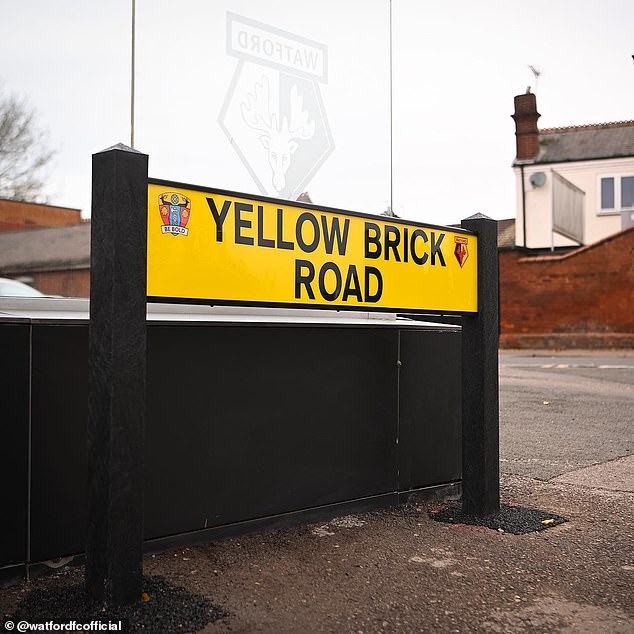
{"points": [[47, 249], [586, 142], [506, 233]]}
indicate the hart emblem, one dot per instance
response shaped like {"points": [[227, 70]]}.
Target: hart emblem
{"points": [[273, 114]]}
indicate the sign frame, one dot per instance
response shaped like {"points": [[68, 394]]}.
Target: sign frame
{"points": [[311, 207], [117, 367]]}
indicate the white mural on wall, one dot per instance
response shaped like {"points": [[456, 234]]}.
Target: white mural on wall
{"points": [[273, 113]]}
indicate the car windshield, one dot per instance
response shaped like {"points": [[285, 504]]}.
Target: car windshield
{"points": [[13, 288]]}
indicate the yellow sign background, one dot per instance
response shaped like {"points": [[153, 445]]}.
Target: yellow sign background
{"points": [[246, 250]]}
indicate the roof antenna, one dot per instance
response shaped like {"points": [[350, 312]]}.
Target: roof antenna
{"points": [[536, 72]]}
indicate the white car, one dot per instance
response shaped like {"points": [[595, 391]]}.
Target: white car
{"points": [[13, 288]]}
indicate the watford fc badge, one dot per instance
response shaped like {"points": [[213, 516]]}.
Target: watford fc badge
{"points": [[460, 251], [175, 210]]}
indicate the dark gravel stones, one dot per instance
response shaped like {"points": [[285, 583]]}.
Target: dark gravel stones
{"points": [[517, 520], [163, 608]]}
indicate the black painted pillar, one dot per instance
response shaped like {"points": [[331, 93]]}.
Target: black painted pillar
{"points": [[480, 381], [116, 376]]}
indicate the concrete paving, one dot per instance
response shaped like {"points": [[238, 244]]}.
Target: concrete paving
{"points": [[616, 475]]}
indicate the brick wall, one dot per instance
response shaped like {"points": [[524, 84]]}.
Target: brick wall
{"points": [[73, 283], [584, 297], [16, 215]]}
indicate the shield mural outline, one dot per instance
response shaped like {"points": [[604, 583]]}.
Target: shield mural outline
{"points": [[273, 114]]}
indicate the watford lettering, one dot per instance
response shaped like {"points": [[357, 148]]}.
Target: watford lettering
{"points": [[312, 232]]}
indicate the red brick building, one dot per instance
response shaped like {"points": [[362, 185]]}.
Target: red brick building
{"points": [[55, 260], [45, 246], [567, 278], [17, 215]]}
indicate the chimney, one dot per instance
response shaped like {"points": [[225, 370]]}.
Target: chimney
{"points": [[526, 132]]}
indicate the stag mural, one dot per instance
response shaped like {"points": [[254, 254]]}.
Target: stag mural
{"points": [[280, 136]]}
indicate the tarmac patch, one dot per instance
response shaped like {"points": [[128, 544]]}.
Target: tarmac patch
{"points": [[163, 607], [517, 520]]}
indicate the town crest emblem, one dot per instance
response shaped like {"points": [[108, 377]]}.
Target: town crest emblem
{"points": [[175, 210]]}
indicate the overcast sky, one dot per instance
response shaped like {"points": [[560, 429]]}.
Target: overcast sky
{"points": [[456, 67]]}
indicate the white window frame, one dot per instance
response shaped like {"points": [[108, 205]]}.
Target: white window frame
{"points": [[617, 209]]}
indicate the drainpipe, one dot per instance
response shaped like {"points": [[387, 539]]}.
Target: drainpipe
{"points": [[523, 204]]}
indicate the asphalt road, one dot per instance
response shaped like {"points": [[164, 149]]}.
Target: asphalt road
{"points": [[563, 412]]}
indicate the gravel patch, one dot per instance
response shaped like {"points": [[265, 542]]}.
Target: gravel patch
{"points": [[164, 608], [517, 520]]}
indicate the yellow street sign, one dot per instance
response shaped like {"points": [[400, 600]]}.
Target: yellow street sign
{"points": [[228, 248]]}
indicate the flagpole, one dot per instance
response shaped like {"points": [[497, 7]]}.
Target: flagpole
{"points": [[132, 74], [391, 81]]}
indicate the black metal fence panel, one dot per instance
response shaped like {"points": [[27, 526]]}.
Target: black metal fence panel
{"points": [[243, 422], [14, 436]]}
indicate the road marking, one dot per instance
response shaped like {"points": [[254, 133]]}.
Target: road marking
{"points": [[565, 366]]}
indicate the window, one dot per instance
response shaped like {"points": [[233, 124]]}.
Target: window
{"points": [[617, 194], [627, 192]]}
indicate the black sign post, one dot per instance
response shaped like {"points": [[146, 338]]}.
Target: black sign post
{"points": [[116, 376], [480, 380]]}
